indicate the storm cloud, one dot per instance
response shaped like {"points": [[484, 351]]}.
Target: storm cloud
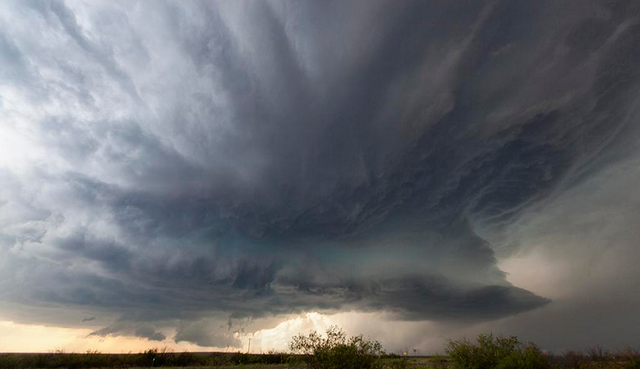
{"points": [[203, 164]]}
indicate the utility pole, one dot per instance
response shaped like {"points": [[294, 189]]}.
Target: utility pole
{"points": [[249, 349]]}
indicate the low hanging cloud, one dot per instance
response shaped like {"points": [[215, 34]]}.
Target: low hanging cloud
{"points": [[180, 164], [201, 333]]}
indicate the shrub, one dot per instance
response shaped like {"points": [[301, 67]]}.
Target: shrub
{"points": [[629, 358], [573, 360], [496, 352], [528, 358], [336, 351]]}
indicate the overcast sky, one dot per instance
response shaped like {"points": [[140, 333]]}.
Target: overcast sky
{"points": [[197, 172]]}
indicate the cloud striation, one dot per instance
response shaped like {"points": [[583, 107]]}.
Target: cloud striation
{"points": [[199, 164]]}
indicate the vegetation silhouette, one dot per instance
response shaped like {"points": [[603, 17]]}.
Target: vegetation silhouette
{"points": [[335, 350]]}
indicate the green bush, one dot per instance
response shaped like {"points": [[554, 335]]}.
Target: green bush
{"points": [[629, 358], [496, 352], [336, 351], [573, 360], [528, 358]]}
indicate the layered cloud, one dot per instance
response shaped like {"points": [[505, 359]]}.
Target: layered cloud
{"points": [[201, 165]]}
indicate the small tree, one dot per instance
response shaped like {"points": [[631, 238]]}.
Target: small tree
{"points": [[336, 351], [630, 358], [496, 352]]}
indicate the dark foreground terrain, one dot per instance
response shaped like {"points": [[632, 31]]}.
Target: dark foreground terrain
{"points": [[151, 358], [592, 359], [155, 358], [335, 351]]}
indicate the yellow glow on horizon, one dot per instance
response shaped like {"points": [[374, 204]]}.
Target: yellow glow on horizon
{"points": [[16, 337]]}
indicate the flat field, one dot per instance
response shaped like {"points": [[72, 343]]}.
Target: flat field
{"points": [[183, 361]]}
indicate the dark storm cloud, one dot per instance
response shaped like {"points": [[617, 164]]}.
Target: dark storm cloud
{"points": [[253, 159], [130, 328], [149, 333], [201, 333]]}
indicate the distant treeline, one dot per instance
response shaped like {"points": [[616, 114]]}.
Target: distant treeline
{"points": [[316, 352], [150, 358]]}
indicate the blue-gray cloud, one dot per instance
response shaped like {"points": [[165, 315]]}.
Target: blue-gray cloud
{"points": [[188, 160]]}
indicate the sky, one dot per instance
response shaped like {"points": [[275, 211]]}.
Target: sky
{"points": [[195, 175]]}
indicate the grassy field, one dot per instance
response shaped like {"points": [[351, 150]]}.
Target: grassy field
{"points": [[181, 360], [594, 358], [150, 358], [567, 360]]}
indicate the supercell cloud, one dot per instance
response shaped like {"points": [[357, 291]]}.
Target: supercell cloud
{"points": [[204, 164]]}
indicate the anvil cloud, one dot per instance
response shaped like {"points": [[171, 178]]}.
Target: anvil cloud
{"points": [[208, 164]]}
